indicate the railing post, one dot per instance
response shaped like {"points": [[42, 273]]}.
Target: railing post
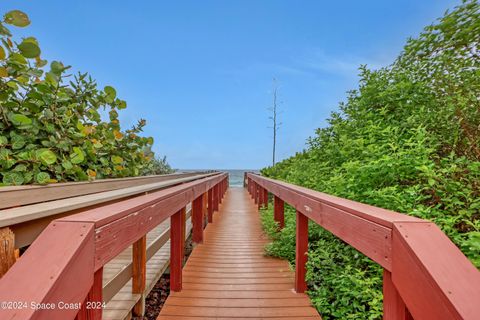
{"points": [[393, 306], [258, 195], [261, 199], [139, 272], [210, 205], [7, 250], [255, 199], [176, 250], [220, 192], [301, 250], [279, 212], [265, 198], [94, 300], [197, 219], [184, 232], [215, 198], [205, 210]]}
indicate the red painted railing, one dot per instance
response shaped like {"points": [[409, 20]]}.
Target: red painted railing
{"points": [[60, 275], [425, 275]]}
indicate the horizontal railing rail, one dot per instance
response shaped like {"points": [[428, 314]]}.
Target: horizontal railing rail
{"points": [[28, 220], [60, 275], [425, 275], [15, 196]]}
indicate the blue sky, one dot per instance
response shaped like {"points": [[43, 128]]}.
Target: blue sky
{"points": [[200, 72]]}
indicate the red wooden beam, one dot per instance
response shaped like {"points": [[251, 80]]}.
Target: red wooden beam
{"points": [[296, 195], [116, 236], [301, 250], [433, 277], [92, 307], [139, 274], [279, 212], [205, 210], [176, 250], [393, 306], [265, 198], [184, 232], [220, 192], [57, 267], [215, 198], [197, 219], [210, 205], [103, 215]]}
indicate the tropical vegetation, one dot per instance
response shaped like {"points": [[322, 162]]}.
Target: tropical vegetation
{"points": [[55, 126], [408, 139]]}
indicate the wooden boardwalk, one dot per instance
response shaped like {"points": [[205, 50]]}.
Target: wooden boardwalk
{"points": [[229, 277]]}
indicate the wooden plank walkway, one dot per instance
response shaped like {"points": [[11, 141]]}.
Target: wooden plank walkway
{"points": [[229, 277]]}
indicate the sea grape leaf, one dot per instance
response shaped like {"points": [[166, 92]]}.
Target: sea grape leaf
{"points": [[17, 18]]}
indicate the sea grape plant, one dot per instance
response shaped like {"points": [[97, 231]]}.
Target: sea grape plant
{"points": [[55, 126]]}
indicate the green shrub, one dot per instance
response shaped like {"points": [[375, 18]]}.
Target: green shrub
{"points": [[407, 140], [51, 123]]}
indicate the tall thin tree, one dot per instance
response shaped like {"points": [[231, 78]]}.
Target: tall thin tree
{"points": [[274, 117]]}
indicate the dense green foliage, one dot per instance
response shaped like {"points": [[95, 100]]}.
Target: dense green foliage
{"points": [[51, 124], [407, 140]]}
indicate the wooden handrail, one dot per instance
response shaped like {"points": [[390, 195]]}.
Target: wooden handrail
{"points": [[27, 222], [62, 270], [425, 275], [14, 196]]}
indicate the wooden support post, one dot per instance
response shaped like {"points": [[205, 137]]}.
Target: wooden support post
{"points": [[255, 193], [393, 306], [301, 250], [139, 274], [279, 212], [219, 193], [184, 232], [210, 205], [260, 197], [7, 250], [176, 251], [204, 210], [244, 179], [197, 219], [92, 307], [215, 198], [265, 198]]}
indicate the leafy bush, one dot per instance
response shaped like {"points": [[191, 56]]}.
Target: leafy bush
{"points": [[51, 126], [406, 140], [158, 166]]}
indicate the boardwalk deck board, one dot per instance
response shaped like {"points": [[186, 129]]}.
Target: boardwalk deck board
{"points": [[228, 276]]}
